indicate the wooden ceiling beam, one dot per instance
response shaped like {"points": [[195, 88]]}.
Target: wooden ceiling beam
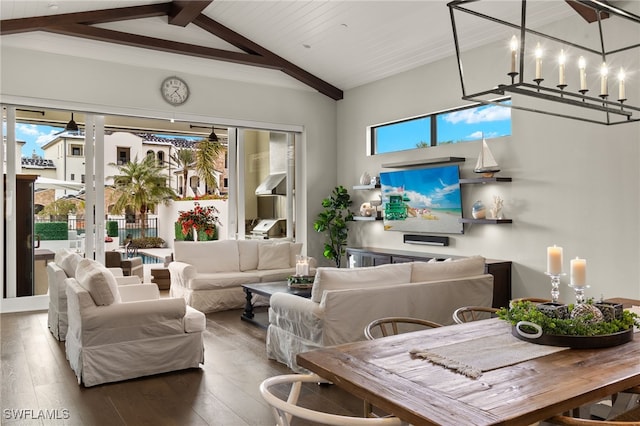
{"points": [[184, 12], [243, 43], [37, 23], [169, 46]]}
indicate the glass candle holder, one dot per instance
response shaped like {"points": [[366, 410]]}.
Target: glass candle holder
{"points": [[555, 285], [579, 290]]}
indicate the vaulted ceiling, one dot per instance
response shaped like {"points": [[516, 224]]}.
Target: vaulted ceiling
{"points": [[328, 46]]}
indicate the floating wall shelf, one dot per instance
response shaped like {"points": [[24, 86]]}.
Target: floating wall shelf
{"points": [[364, 187], [367, 218], [423, 162]]}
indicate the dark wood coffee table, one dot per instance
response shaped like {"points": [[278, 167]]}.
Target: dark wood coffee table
{"points": [[266, 289]]}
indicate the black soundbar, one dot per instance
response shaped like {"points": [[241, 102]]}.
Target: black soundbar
{"points": [[428, 240]]}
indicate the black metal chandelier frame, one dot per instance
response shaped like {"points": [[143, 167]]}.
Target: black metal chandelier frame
{"points": [[614, 112]]}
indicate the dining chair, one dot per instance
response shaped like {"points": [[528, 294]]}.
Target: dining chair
{"points": [[628, 418], [380, 328], [285, 410], [473, 313], [382, 324]]}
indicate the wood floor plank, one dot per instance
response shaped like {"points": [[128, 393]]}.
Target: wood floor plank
{"points": [[224, 391]]}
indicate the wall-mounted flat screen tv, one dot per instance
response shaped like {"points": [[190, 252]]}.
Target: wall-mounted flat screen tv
{"points": [[425, 200]]}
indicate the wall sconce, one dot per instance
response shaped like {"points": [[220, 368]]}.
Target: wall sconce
{"points": [[539, 64]]}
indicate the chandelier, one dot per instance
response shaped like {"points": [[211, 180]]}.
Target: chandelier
{"points": [[575, 59]]}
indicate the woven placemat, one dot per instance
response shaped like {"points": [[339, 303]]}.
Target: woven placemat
{"points": [[473, 357]]}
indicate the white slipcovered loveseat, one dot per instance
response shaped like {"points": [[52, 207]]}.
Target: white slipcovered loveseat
{"points": [[122, 332], [209, 274], [344, 301]]}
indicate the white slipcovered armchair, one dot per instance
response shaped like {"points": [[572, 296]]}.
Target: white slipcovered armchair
{"points": [[64, 266], [117, 333]]}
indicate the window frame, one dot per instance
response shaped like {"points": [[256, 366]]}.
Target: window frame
{"points": [[433, 130]]}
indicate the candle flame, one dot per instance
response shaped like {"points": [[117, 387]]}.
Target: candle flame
{"points": [[582, 64], [621, 74], [514, 43], [538, 51], [562, 58], [604, 70]]}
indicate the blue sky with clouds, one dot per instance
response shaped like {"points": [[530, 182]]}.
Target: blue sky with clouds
{"points": [[457, 126], [35, 137]]}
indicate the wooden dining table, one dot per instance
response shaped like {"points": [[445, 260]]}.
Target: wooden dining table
{"points": [[383, 372]]}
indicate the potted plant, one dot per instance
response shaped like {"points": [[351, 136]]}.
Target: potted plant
{"points": [[112, 241], [333, 221], [201, 222]]}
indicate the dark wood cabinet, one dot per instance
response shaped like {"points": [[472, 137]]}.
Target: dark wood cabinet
{"points": [[370, 256]]}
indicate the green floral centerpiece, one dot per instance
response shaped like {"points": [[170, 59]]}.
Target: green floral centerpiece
{"points": [[582, 319]]}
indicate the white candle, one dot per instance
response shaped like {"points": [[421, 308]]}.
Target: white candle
{"points": [[603, 79], [538, 62], [298, 269], [554, 260], [621, 87], [582, 64], [305, 268], [514, 49], [578, 272], [561, 60]]}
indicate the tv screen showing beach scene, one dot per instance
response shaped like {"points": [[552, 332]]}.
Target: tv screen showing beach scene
{"points": [[422, 200]]}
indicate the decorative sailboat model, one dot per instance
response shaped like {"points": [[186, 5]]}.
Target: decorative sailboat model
{"points": [[486, 164]]}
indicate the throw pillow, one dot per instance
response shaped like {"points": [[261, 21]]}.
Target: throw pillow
{"points": [[459, 268], [69, 264], [348, 278], [274, 256], [99, 282], [248, 252]]}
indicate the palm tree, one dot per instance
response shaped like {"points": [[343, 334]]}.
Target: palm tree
{"points": [[184, 159], [141, 185], [207, 152]]}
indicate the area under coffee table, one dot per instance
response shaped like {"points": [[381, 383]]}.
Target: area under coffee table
{"points": [[266, 289]]}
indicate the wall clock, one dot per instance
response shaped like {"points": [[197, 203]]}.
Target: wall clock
{"points": [[174, 90]]}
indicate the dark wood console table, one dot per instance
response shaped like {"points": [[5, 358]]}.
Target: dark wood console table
{"points": [[372, 256]]}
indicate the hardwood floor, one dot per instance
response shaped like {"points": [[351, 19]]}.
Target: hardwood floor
{"points": [[38, 382]]}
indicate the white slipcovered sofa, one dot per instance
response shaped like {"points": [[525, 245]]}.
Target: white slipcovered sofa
{"points": [[64, 266], [209, 274], [122, 332], [344, 301]]}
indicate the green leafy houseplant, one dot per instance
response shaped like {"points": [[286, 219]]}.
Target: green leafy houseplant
{"points": [[581, 326], [333, 221], [112, 228]]}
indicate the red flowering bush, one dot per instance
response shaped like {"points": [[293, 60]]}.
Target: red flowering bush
{"points": [[201, 218]]}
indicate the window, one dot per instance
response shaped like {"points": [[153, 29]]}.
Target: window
{"points": [[82, 178], [463, 124], [73, 176], [76, 150], [160, 158], [123, 156]]}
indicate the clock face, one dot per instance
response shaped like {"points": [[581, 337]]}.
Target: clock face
{"points": [[174, 90]]}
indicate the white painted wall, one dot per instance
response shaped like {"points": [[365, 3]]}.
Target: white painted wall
{"points": [[575, 184]]}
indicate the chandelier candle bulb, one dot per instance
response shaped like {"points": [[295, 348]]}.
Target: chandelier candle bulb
{"points": [[578, 272], [621, 94], [514, 49], [554, 260], [603, 79], [538, 53], [582, 65], [561, 77]]}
